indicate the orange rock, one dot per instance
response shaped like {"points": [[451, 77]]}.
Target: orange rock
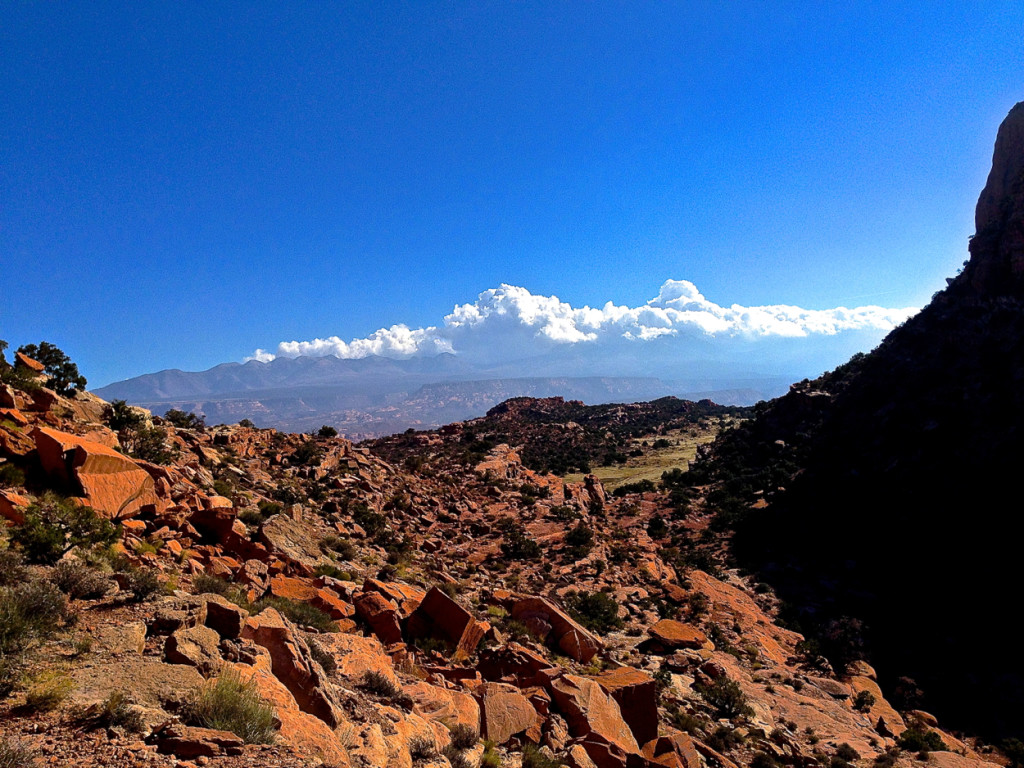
{"points": [[355, 656], [439, 615], [24, 361], [382, 616], [405, 596], [328, 601], [292, 589], [115, 486], [13, 505], [636, 693], [14, 416], [291, 663], [504, 712], [566, 634], [675, 634], [675, 750], [589, 709]]}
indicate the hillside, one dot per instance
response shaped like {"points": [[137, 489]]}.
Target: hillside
{"points": [[242, 596], [892, 482]]}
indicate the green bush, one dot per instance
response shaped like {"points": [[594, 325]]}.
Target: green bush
{"points": [[48, 692], [322, 657], [205, 584], [11, 476], [303, 614], [141, 583], [116, 711], [53, 526], [597, 611], [579, 541], [326, 431], [12, 568], [15, 755], [184, 420], [78, 581], [517, 544], [724, 696], [65, 379], [229, 704], [463, 736], [917, 739], [863, 701], [30, 613], [536, 757]]}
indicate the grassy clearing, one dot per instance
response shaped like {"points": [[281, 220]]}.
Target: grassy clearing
{"points": [[654, 461]]}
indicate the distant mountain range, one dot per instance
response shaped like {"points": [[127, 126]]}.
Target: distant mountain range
{"points": [[375, 396]]}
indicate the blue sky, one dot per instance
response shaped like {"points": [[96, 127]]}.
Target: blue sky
{"points": [[181, 184]]}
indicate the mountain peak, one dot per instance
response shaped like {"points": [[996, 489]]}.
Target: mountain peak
{"points": [[997, 248]]}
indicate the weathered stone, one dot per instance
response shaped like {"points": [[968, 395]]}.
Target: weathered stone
{"points": [[675, 750], [114, 485], [226, 619], [196, 646], [440, 616], [513, 663], [504, 712], [571, 638], [589, 709], [382, 616], [636, 693], [121, 639], [355, 656], [187, 742], [675, 634], [291, 664], [150, 682], [406, 596], [293, 541], [292, 589], [13, 505]]}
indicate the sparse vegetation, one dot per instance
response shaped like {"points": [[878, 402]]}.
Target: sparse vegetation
{"points": [[53, 526], [116, 711], [30, 613], [725, 697], [79, 581], [48, 691], [13, 754], [64, 377], [597, 611], [231, 704]]}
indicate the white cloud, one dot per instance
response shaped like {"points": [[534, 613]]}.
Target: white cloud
{"points": [[510, 320]]}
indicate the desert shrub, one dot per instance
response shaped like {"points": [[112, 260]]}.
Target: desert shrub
{"points": [[13, 754], [863, 701], [1014, 751], [640, 486], [490, 758], [149, 444], [141, 584], [223, 488], [12, 568], [463, 736], [204, 583], [247, 423], [763, 760], [517, 544], [65, 379], [270, 508], [309, 453], [326, 431], [11, 476], [579, 540], [48, 691], [917, 739], [536, 757], [456, 758], [845, 752], [30, 613], [724, 696], [422, 749], [332, 571], [303, 614], [53, 526], [370, 521], [251, 517], [379, 684], [565, 513], [597, 611], [230, 704], [79, 581], [724, 739], [657, 528], [122, 417], [116, 711], [322, 657], [184, 420]]}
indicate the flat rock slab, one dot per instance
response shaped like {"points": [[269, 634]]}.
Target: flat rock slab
{"points": [[149, 682]]}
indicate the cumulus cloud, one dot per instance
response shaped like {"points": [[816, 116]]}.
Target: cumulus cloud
{"points": [[510, 319]]}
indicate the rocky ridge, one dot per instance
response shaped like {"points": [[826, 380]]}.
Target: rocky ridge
{"points": [[399, 612]]}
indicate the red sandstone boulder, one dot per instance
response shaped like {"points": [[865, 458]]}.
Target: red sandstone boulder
{"points": [[675, 634], [115, 486], [505, 712], [675, 750], [565, 634], [382, 616], [188, 742], [636, 693], [590, 710], [440, 616]]}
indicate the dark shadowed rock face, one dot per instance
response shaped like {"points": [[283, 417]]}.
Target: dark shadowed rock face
{"points": [[997, 249], [901, 471]]}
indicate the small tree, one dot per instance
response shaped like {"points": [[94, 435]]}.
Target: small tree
{"points": [[65, 379], [184, 420], [327, 431]]}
